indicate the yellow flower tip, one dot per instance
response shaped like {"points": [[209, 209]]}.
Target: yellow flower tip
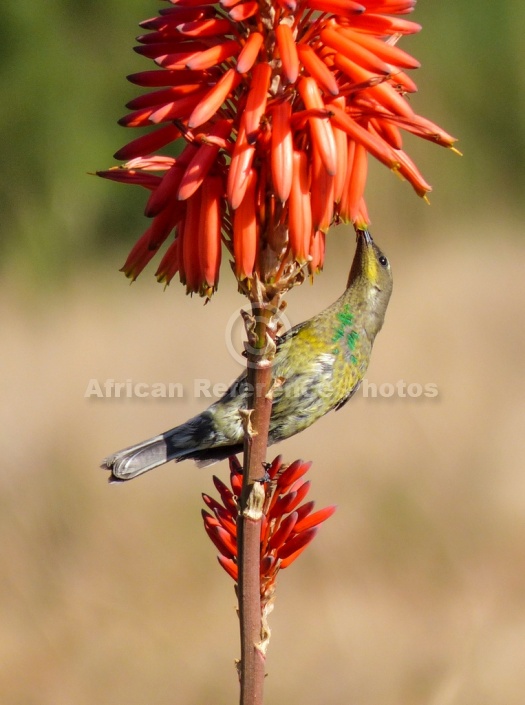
{"points": [[456, 151], [207, 291], [128, 273], [396, 170], [426, 199], [361, 224]]}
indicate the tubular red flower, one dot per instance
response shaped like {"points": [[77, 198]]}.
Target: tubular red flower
{"points": [[240, 166], [249, 52], [209, 238], [282, 150], [322, 192], [287, 528], [246, 230], [287, 51], [247, 86], [203, 160], [317, 250], [300, 210]]}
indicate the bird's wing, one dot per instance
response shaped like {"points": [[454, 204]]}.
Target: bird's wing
{"points": [[348, 396], [281, 339]]}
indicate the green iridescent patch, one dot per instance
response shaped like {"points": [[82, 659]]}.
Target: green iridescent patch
{"points": [[352, 339], [345, 318]]}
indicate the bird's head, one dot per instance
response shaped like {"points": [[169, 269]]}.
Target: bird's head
{"points": [[371, 267]]}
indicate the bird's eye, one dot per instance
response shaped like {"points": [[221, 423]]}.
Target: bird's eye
{"points": [[383, 261]]}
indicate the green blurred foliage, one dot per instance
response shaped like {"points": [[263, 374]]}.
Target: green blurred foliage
{"points": [[62, 79], [472, 82], [62, 68]]}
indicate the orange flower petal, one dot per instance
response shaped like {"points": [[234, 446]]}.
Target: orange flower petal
{"points": [[388, 132], [230, 566], [164, 77], [422, 127], [171, 262], [151, 163], [321, 129], [409, 170], [381, 24], [173, 18], [222, 540], [256, 101], [245, 231], [225, 493], [138, 118], [167, 190], [190, 243], [209, 27], [362, 220], [343, 8], [341, 148], [214, 55], [391, 54], [139, 257], [241, 163], [357, 182], [286, 562], [292, 499], [296, 543], [130, 176], [299, 209], [344, 205], [213, 100], [287, 51], [351, 50], [291, 474], [166, 95], [180, 108], [249, 52], [317, 251], [210, 243], [317, 69], [146, 144], [377, 147], [244, 10], [282, 150], [202, 161], [402, 82], [322, 193], [394, 7], [162, 52], [314, 519]]}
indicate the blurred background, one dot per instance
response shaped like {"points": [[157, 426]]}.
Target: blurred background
{"points": [[414, 592]]}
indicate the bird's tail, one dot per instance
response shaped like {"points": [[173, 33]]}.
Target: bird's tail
{"points": [[135, 460], [197, 439]]}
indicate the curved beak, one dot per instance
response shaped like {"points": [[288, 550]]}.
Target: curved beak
{"points": [[365, 235]]}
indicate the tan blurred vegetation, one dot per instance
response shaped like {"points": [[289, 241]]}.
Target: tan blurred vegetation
{"points": [[414, 592]]}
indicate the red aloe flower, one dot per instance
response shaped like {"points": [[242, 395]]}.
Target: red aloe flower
{"points": [[279, 103], [287, 527]]}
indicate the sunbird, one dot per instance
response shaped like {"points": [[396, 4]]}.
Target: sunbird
{"points": [[319, 364]]}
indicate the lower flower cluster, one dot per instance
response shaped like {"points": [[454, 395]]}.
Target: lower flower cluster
{"points": [[287, 526]]}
